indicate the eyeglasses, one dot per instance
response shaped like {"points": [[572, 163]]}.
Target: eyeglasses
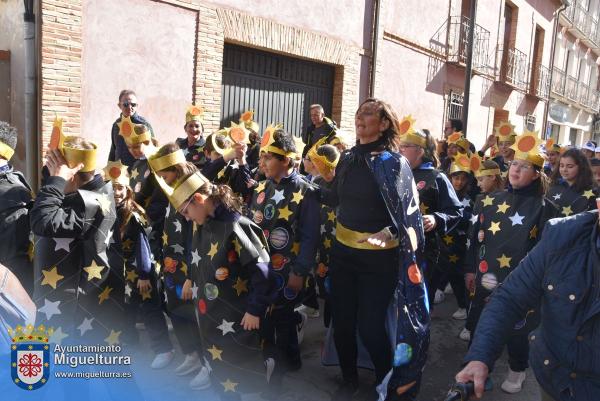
{"points": [[403, 147], [520, 166], [183, 209], [127, 104]]}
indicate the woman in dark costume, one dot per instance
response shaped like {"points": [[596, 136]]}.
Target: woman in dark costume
{"points": [[573, 184]]}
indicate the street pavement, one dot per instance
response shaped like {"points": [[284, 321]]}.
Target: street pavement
{"points": [[315, 382]]}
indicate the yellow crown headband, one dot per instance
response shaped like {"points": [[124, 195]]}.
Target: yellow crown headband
{"points": [[194, 113], [268, 136], [6, 151], [479, 169], [461, 162], [215, 145], [526, 148], [505, 132], [166, 161], [117, 173], [247, 118], [408, 135], [182, 192], [321, 163], [72, 155]]}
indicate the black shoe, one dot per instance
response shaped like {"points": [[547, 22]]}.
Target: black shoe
{"points": [[345, 391]]}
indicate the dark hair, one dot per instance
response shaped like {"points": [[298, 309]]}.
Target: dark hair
{"points": [[465, 190], [129, 206], [126, 92], [220, 139], [430, 154], [595, 162], [585, 178], [220, 195], [8, 134], [329, 151], [284, 141], [180, 169], [456, 124], [391, 136]]}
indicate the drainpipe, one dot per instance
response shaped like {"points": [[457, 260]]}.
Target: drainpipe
{"points": [[469, 66], [30, 125], [374, 43], [565, 4]]}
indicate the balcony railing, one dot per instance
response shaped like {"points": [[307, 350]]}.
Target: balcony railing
{"points": [[458, 38], [571, 88], [516, 69], [594, 100], [583, 95], [542, 82], [582, 20], [569, 12], [558, 81]]}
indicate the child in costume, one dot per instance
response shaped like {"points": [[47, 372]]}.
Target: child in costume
{"points": [[235, 172], [193, 143], [16, 251], [507, 227], [253, 151], [77, 291], [503, 139], [229, 283], [596, 172], [572, 186], [148, 194], [170, 164]]}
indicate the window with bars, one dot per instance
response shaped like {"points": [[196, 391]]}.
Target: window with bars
{"points": [[454, 107], [530, 121]]}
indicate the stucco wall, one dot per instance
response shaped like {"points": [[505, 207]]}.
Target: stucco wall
{"points": [[150, 49], [11, 38]]}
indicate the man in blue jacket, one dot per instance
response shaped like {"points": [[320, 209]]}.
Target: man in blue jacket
{"points": [[562, 273]]}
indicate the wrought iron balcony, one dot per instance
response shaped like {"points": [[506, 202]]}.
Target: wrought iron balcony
{"points": [[516, 69], [583, 95], [594, 100], [571, 88], [583, 24], [542, 82], [558, 81]]}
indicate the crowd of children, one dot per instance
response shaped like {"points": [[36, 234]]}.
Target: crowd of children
{"points": [[227, 236]]}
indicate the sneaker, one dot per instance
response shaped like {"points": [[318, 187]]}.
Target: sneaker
{"points": [[310, 312], [162, 360], [465, 335], [301, 326], [202, 380], [514, 382], [190, 364], [460, 314], [269, 366], [439, 297], [448, 289], [345, 391]]}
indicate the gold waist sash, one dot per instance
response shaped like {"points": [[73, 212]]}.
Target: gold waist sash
{"points": [[350, 238]]}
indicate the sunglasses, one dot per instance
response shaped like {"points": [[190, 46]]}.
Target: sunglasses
{"points": [[127, 104]]}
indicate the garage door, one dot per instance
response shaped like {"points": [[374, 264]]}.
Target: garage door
{"points": [[278, 88]]}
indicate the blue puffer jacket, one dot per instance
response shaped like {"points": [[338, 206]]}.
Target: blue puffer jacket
{"points": [[563, 273]]}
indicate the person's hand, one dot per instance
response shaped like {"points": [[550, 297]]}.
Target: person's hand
{"points": [[489, 143], [378, 239], [240, 152], [476, 372], [429, 222], [470, 282], [250, 322], [186, 291], [144, 285], [295, 282], [58, 167]]}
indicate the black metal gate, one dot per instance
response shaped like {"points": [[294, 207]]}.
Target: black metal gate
{"points": [[278, 88]]}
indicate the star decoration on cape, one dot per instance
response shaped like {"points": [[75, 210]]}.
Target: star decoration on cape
{"points": [[134, 174], [504, 261], [104, 203], [448, 239], [503, 207], [331, 215], [567, 211], [260, 187], [473, 219], [50, 308], [194, 291], [215, 353], [113, 337], [221, 173], [240, 286], [104, 295], [453, 258], [295, 248], [285, 213], [131, 275], [127, 244], [237, 246], [516, 219], [423, 208], [297, 197], [62, 243], [214, 248], [177, 248], [94, 271], [488, 201], [51, 277], [327, 243], [128, 290], [534, 232], [165, 238], [85, 326], [184, 268], [556, 197], [195, 257], [226, 327], [146, 294], [278, 196], [589, 194], [466, 202], [228, 385], [177, 225], [494, 227]]}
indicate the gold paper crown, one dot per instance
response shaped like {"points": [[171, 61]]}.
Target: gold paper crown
{"points": [[408, 135], [194, 113], [213, 140], [479, 169], [183, 190], [30, 333], [460, 162], [162, 162], [238, 132], [6, 151], [116, 172], [550, 146], [526, 148], [505, 131], [72, 155], [266, 143], [247, 118], [134, 134], [321, 163], [459, 140]]}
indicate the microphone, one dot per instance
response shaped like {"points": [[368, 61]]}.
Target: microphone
{"points": [[464, 391]]}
